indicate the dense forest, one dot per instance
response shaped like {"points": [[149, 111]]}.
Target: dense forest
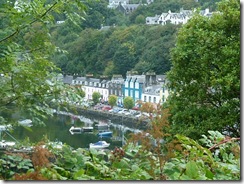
{"points": [[127, 44]]}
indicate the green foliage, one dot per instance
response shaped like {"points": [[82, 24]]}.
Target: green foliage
{"points": [[205, 77], [112, 99], [218, 160], [196, 162], [96, 97], [28, 80], [116, 50], [12, 164], [128, 102]]}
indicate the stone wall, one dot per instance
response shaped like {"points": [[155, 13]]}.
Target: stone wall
{"points": [[128, 121]]}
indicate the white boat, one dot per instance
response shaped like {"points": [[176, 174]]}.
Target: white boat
{"points": [[26, 122], [99, 145], [5, 144], [78, 130], [5, 127], [75, 130], [55, 145], [102, 126]]}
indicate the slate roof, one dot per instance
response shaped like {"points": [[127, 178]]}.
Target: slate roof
{"points": [[68, 79]]}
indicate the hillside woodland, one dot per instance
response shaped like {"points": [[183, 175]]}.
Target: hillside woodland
{"points": [[128, 44]]}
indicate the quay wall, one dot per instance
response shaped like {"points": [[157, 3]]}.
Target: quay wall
{"points": [[129, 121]]}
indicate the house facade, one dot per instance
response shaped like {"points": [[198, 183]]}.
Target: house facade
{"points": [[133, 86], [115, 87], [90, 85], [175, 18], [148, 87]]}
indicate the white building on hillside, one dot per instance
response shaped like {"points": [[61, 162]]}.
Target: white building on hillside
{"points": [[175, 18]]}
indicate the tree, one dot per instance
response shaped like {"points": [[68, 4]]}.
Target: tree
{"points": [[96, 97], [128, 102], [124, 58], [148, 107], [205, 77], [28, 81], [112, 99], [140, 19], [142, 67]]}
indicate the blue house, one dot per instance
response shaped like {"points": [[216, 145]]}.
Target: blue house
{"points": [[133, 86]]}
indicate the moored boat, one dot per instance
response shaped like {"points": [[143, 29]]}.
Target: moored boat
{"points": [[75, 130], [5, 144], [87, 129], [79, 130], [102, 126], [99, 145], [105, 134], [26, 122]]}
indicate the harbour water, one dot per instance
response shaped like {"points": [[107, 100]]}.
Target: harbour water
{"points": [[57, 129]]}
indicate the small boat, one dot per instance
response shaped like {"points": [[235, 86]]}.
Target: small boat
{"points": [[26, 122], [87, 129], [55, 145], [102, 126], [99, 145], [5, 144], [79, 130], [75, 130], [5, 127], [105, 134]]}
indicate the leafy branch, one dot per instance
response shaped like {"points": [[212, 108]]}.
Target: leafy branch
{"points": [[227, 139], [33, 21]]}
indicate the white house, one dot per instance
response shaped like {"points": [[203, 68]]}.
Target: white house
{"points": [[175, 18], [91, 85], [152, 94]]}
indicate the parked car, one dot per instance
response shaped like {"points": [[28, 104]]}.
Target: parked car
{"points": [[136, 108], [98, 107], [106, 108], [124, 111], [138, 115], [133, 112], [115, 110]]}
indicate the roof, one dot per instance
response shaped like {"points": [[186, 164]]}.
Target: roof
{"points": [[68, 79]]}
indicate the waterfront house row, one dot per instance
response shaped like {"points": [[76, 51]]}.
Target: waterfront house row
{"points": [[148, 87]]}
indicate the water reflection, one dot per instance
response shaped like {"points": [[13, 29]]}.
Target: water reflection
{"points": [[57, 128]]}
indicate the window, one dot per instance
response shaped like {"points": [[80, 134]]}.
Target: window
{"points": [[131, 85], [131, 93], [126, 93], [126, 84], [154, 99], [150, 98], [136, 94], [145, 98], [137, 85]]}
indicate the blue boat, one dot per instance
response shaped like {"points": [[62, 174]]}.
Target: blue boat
{"points": [[105, 134]]}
